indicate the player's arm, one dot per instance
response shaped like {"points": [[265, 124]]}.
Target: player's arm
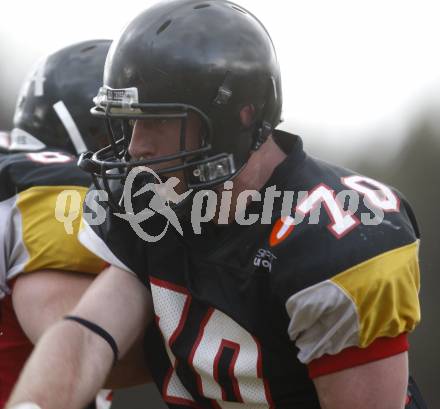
{"points": [[351, 330], [70, 362], [378, 384], [42, 298]]}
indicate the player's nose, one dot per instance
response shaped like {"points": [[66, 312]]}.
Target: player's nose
{"points": [[142, 142]]}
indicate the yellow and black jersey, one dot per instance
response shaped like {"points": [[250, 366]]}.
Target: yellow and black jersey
{"points": [[248, 314], [31, 236]]}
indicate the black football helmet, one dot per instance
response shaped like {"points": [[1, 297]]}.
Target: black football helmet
{"points": [[208, 57], [53, 108]]}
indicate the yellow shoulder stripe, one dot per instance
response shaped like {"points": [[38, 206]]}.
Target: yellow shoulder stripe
{"points": [[48, 243], [384, 290]]}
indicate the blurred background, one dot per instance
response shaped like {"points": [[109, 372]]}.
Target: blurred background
{"points": [[361, 83]]}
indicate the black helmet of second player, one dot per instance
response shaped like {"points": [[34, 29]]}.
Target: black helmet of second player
{"points": [[53, 108], [207, 57]]}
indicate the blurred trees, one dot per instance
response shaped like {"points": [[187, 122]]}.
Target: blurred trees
{"points": [[415, 171]]}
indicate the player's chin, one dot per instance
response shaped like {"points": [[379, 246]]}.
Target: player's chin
{"points": [[181, 186]]}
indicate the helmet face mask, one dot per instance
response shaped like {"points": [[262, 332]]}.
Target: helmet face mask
{"points": [[196, 162], [182, 58]]}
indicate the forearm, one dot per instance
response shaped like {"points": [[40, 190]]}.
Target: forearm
{"points": [[68, 366], [71, 363], [131, 370]]}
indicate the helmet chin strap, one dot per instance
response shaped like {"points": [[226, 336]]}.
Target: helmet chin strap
{"points": [[261, 135], [265, 129]]}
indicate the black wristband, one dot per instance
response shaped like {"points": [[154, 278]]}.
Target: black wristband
{"points": [[99, 331]]}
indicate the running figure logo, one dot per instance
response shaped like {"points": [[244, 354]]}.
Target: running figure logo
{"points": [[163, 194]]}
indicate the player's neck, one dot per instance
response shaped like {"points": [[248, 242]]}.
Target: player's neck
{"points": [[259, 167], [256, 172]]}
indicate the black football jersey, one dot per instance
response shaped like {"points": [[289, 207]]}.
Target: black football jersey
{"points": [[32, 235], [247, 314]]}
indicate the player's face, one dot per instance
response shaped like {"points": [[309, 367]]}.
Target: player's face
{"points": [[155, 138]]}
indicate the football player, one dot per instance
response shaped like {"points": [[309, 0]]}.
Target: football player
{"points": [[278, 313], [43, 268]]}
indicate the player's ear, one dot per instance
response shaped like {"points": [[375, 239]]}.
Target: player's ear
{"points": [[247, 115]]}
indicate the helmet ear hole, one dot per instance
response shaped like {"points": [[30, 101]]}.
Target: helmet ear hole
{"points": [[247, 115]]}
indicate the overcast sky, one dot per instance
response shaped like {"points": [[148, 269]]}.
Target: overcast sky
{"points": [[350, 68]]}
